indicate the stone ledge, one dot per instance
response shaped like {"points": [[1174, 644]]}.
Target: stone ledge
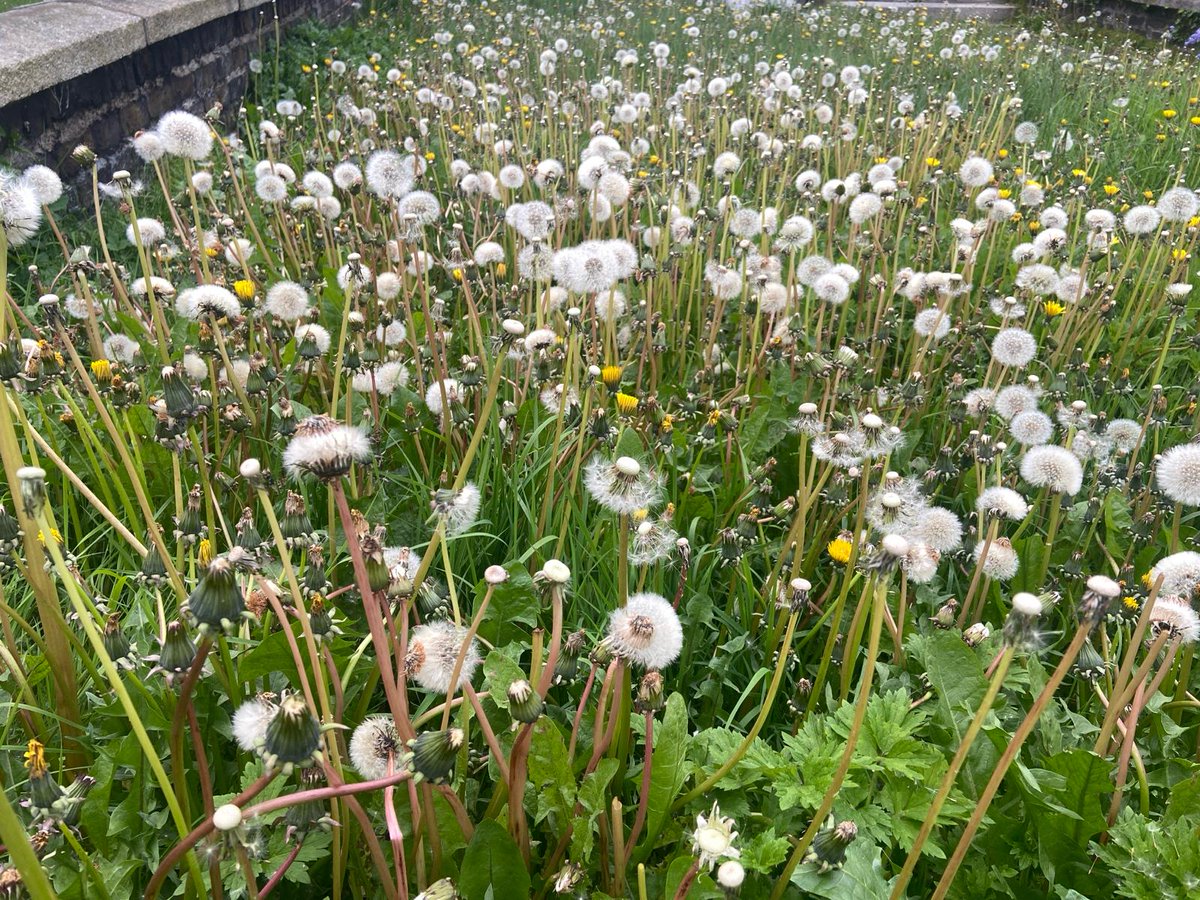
{"points": [[48, 43], [167, 18]]}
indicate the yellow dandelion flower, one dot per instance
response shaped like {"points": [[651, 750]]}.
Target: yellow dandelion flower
{"points": [[457, 274], [244, 288], [430, 156], [1004, 193], [501, 269], [35, 758], [54, 533], [1195, 120], [204, 554], [639, 515], [932, 161], [611, 376], [1179, 254], [627, 404], [839, 550], [1111, 189], [1169, 114], [102, 370], [1053, 308], [1002, 153]]}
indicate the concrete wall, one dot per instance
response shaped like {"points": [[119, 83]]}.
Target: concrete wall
{"points": [[96, 71]]}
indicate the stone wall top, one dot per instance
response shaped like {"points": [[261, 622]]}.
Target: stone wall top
{"points": [[51, 42]]}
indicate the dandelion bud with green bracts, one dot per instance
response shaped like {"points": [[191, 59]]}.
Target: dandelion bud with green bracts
{"points": [[179, 395], [378, 576], [433, 754], [944, 617], [293, 736], [70, 804], [1090, 665], [524, 704], [116, 644], [248, 536], [315, 579], [190, 527], [10, 532], [11, 359], [310, 816], [567, 665], [217, 600], [296, 526], [320, 620], [976, 634], [828, 849], [177, 654]]}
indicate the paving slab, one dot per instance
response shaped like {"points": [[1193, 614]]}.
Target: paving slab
{"points": [[167, 18], [52, 42]]}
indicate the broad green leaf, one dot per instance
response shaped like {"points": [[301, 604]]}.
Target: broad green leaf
{"points": [[515, 603], [668, 768], [860, 878], [492, 868]]}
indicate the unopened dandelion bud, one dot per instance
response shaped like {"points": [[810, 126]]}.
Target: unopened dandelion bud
{"points": [[1089, 664], [116, 645], [523, 702], [84, 155], [433, 754], [295, 525], [178, 652], [310, 816], [217, 601], [567, 665], [293, 736], [32, 483], [70, 804], [828, 848], [976, 634]]}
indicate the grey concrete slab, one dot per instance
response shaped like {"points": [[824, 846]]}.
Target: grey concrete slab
{"points": [[167, 18], [49, 43]]}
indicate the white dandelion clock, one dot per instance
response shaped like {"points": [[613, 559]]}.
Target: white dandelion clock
{"points": [[645, 632]]}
